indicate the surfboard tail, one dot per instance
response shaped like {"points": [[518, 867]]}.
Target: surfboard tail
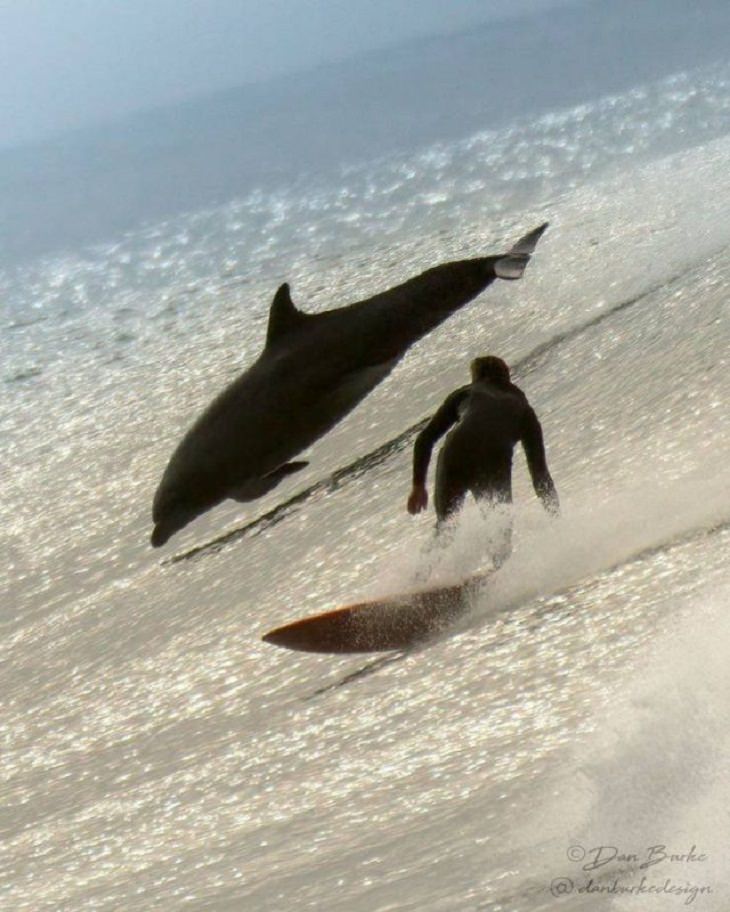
{"points": [[512, 265]]}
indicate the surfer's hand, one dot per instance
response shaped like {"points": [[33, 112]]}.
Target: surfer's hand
{"points": [[417, 500], [552, 504]]}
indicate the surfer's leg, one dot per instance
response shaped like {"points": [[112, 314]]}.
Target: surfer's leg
{"points": [[503, 545], [497, 511], [447, 508], [447, 505], [447, 500], [448, 496], [450, 484]]}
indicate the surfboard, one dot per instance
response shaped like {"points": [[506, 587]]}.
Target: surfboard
{"points": [[379, 625]]}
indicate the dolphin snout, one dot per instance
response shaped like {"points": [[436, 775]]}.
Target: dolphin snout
{"points": [[168, 522], [160, 536], [173, 513]]}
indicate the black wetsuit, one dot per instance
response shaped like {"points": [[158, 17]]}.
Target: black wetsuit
{"points": [[490, 418]]}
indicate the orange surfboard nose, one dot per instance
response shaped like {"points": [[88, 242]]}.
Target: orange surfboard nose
{"points": [[382, 625]]}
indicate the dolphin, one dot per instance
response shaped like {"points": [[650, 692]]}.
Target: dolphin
{"points": [[314, 369]]}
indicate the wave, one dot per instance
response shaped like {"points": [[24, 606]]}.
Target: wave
{"points": [[381, 454]]}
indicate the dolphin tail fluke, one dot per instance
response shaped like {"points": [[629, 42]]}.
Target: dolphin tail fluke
{"points": [[526, 244], [512, 265]]}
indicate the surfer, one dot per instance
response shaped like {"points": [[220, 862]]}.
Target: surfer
{"points": [[491, 415]]}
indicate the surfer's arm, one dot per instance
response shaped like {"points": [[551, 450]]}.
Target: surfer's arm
{"points": [[445, 417], [534, 446]]}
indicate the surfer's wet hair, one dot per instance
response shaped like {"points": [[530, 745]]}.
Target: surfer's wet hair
{"points": [[491, 368]]}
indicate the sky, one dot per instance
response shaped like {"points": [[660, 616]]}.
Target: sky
{"points": [[72, 63]]}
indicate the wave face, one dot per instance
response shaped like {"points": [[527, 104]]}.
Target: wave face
{"points": [[156, 754]]}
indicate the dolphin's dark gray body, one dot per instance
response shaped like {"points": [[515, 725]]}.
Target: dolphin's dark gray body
{"points": [[314, 369]]}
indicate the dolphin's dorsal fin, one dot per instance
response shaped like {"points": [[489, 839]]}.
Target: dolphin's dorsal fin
{"points": [[284, 317]]}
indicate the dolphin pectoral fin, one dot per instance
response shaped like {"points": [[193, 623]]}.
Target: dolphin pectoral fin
{"points": [[284, 318], [289, 468], [512, 265], [257, 487]]}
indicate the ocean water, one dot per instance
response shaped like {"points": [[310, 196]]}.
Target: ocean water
{"points": [[157, 755]]}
